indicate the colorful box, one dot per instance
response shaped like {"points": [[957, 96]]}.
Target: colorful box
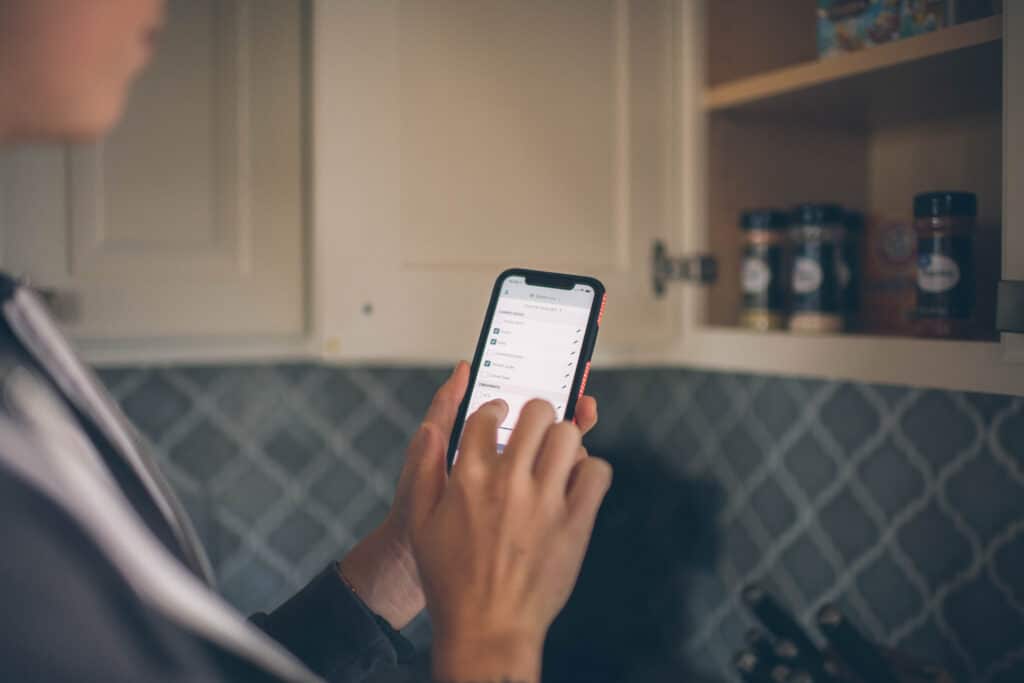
{"points": [[851, 25]]}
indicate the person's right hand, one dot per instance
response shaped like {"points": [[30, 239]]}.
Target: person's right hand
{"points": [[501, 549]]}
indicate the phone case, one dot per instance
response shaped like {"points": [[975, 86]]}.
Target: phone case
{"points": [[582, 371]]}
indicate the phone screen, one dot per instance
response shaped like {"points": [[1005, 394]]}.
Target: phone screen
{"points": [[532, 349]]}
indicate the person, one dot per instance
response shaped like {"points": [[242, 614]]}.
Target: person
{"points": [[101, 575]]}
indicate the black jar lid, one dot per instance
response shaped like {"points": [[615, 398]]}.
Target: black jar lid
{"points": [[938, 204], [763, 219], [817, 214]]}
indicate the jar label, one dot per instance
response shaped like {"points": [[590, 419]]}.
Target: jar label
{"points": [[945, 276], [807, 276], [937, 273], [761, 279], [757, 276]]}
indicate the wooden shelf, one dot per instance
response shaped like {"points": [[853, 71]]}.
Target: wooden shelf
{"points": [[951, 71]]}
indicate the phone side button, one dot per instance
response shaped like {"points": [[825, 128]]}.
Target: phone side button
{"points": [[583, 383]]}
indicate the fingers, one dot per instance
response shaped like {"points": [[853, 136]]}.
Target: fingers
{"points": [[591, 479], [586, 413], [445, 406], [558, 456], [525, 443], [480, 435], [429, 473]]}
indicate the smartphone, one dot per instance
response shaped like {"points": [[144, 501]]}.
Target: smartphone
{"points": [[536, 342]]}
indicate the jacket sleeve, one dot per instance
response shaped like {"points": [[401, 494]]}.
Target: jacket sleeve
{"points": [[336, 635]]}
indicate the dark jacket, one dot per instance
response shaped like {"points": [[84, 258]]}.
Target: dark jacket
{"points": [[102, 577]]}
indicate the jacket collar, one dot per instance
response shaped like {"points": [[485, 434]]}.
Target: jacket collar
{"points": [[42, 445], [28, 319]]}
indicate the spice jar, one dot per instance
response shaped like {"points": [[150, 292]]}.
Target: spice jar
{"points": [[762, 276], [944, 223], [817, 236]]}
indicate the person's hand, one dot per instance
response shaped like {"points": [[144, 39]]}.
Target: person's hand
{"points": [[500, 548], [381, 568]]}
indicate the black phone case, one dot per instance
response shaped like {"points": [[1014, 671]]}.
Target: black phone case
{"points": [[579, 382]]}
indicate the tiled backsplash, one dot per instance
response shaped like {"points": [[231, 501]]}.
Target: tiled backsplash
{"points": [[905, 506]]}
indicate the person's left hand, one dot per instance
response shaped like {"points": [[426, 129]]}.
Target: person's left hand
{"points": [[380, 568]]}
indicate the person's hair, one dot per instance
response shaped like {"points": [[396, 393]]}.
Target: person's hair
{"points": [[627, 619]]}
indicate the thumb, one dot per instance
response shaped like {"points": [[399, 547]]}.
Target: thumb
{"points": [[427, 454]]}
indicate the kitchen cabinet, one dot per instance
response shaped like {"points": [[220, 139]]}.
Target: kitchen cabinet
{"points": [[183, 232], [454, 139]]}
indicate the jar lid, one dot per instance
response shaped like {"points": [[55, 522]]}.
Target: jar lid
{"points": [[763, 219], [936, 204], [817, 214]]}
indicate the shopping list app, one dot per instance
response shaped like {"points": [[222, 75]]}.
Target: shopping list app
{"points": [[532, 349]]}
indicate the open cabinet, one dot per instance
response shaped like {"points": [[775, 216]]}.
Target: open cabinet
{"points": [[455, 139], [770, 124]]}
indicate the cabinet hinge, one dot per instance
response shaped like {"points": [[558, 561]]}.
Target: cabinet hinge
{"points": [[701, 269], [1010, 306]]}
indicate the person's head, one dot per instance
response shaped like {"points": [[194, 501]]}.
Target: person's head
{"points": [[65, 65]]}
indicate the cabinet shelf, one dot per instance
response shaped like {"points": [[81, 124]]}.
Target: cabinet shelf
{"points": [[936, 74]]}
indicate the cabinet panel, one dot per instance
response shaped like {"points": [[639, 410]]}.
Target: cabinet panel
{"points": [[457, 139], [187, 221]]}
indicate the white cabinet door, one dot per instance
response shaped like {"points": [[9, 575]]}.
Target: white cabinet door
{"points": [[455, 139], [187, 222]]}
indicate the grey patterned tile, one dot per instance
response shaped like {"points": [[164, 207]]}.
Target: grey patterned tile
{"points": [[294, 446], [988, 405], [336, 488], [1008, 564], [889, 393], [892, 597], [845, 522], [204, 452], [251, 395], [299, 533], [774, 407], [808, 567], [383, 444], [929, 644], [250, 588], [890, 478], [740, 547], [1011, 437], [155, 405], [115, 378], [200, 376], [250, 495], [986, 495], [236, 492], [335, 398], [712, 399], [938, 428], [742, 452], [772, 507], [849, 417], [681, 444], [416, 391], [1012, 673], [809, 464], [983, 621], [936, 546], [371, 519]]}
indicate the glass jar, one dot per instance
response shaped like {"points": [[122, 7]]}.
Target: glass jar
{"points": [[944, 224], [850, 272], [816, 295], [762, 277]]}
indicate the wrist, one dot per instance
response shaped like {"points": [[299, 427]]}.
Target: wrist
{"points": [[381, 571], [510, 658]]}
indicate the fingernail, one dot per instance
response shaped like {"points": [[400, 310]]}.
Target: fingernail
{"points": [[500, 405]]}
